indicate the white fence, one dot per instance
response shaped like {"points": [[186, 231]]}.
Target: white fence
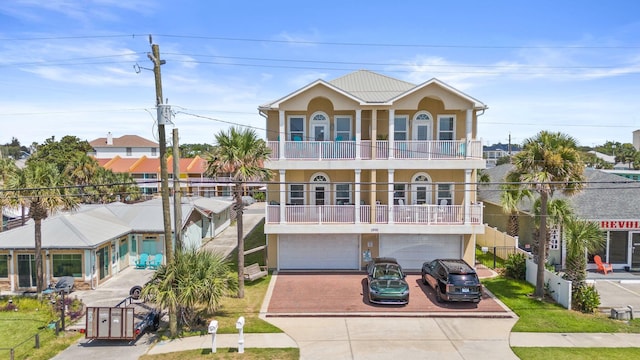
{"points": [[557, 287]]}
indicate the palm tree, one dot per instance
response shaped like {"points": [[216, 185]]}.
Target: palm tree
{"points": [[7, 167], [195, 281], [510, 198], [582, 237], [41, 187], [240, 154], [548, 162], [558, 211]]}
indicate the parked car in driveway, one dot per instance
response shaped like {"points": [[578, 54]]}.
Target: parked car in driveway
{"points": [[452, 280], [386, 282]]}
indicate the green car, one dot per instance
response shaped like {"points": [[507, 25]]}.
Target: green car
{"points": [[386, 282]]}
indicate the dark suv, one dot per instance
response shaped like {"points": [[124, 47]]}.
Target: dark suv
{"points": [[452, 279]]}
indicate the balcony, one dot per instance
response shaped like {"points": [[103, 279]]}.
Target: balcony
{"points": [[400, 214], [345, 150]]}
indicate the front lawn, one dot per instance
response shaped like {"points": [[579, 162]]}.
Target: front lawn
{"points": [[18, 329], [546, 316], [230, 354], [564, 353]]}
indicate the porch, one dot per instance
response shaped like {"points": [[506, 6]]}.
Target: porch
{"points": [[380, 149], [376, 214]]}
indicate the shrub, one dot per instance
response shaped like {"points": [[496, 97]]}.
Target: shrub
{"points": [[586, 298], [516, 266]]}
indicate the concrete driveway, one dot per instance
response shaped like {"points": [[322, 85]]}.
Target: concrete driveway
{"points": [[619, 294]]}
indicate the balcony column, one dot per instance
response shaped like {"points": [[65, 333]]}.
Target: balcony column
{"points": [[374, 134], [391, 136], [391, 205], [358, 132], [467, 196], [469, 125], [357, 194], [281, 135], [283, 196]]}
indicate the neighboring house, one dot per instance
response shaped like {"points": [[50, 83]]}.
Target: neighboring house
{"points": [[496, 151], [126, 146], [367, 165], [610, 200], [97, 241], [629, 174], [146, 172]]}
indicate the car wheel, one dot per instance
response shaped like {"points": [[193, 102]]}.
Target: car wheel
{"points": [[424, 279], [438, 294]]}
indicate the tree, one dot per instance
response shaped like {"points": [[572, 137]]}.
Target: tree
{"points": [[194, 282], [558, 211], [42, 188], [510, 198], [62, 152], [549, 162], [581, 237], [7, 168], [240, 154]]}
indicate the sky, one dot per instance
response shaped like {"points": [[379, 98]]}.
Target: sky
{"points": [[81, 67]]}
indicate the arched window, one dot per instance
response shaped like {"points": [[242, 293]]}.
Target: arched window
{"points": [[422, 126], [320, 126], [320, 189], [421, 189]]}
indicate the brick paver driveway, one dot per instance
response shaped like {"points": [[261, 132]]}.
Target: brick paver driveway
{"points": [[344, 294]]}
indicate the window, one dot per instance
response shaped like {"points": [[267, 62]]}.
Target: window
{"points": [[400, 128], [296, 194], [445, 194], [446, 127], [4, 266], [319, 126], [343, 128], [67, 265], [343, 194], [399, 193], [554, 238], [154, 151], [128, 151], [296, 128], [422, 126]]}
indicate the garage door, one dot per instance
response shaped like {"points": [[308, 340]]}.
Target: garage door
{"points": [[318, 252], [412, 250]]}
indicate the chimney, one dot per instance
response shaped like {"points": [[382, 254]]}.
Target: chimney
{"points": [[109, 138]]}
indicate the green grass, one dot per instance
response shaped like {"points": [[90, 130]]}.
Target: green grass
{"points": [[18, 330], [231, 354], [488, 259], [547, 316], [576, 353], [254, 293]]}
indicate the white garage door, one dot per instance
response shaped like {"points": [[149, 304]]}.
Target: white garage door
{"points": [[412, 250], [318, 252]]}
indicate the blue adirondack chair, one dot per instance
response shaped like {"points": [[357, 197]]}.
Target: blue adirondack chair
{"points": [[157, 261], [142, 261]]}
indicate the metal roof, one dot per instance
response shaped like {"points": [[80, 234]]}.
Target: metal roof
{"points": [[92, 225]]}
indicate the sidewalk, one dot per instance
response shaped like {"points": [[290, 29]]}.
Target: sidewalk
{"points": [[279, 340]]}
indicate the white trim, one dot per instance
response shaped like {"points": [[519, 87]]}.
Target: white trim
{"points": [[418, 122], [326, 184], [454, 125], [324, 124], [406, 126], [335, 126], [414, 188], [304, 126]]}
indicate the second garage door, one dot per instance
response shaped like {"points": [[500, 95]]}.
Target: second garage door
{"points": [[412, 250], [318, 252]]}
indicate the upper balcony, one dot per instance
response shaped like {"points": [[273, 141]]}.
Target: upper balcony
{"points": [[438, 151], [377, 218]]}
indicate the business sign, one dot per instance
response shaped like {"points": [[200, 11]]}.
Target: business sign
{"points": [[620, 224]]}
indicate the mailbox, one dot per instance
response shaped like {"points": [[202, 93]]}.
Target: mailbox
{"points": [[213, 326]]}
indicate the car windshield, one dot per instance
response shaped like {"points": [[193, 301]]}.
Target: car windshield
{"points": [[463, 279], [387, 272]]}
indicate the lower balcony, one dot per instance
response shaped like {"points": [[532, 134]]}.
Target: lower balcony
{"points": [[377, 214]]}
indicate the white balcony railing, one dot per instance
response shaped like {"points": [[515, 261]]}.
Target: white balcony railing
{"points": [[344, 150], [401, 214]]}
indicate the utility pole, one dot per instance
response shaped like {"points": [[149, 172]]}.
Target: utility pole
{"points": [[177, 189], [164, 176], [164, 114]]}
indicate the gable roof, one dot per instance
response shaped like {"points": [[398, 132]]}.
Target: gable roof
{"points": [[123, 141], [605, 196], [370, 88]]}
